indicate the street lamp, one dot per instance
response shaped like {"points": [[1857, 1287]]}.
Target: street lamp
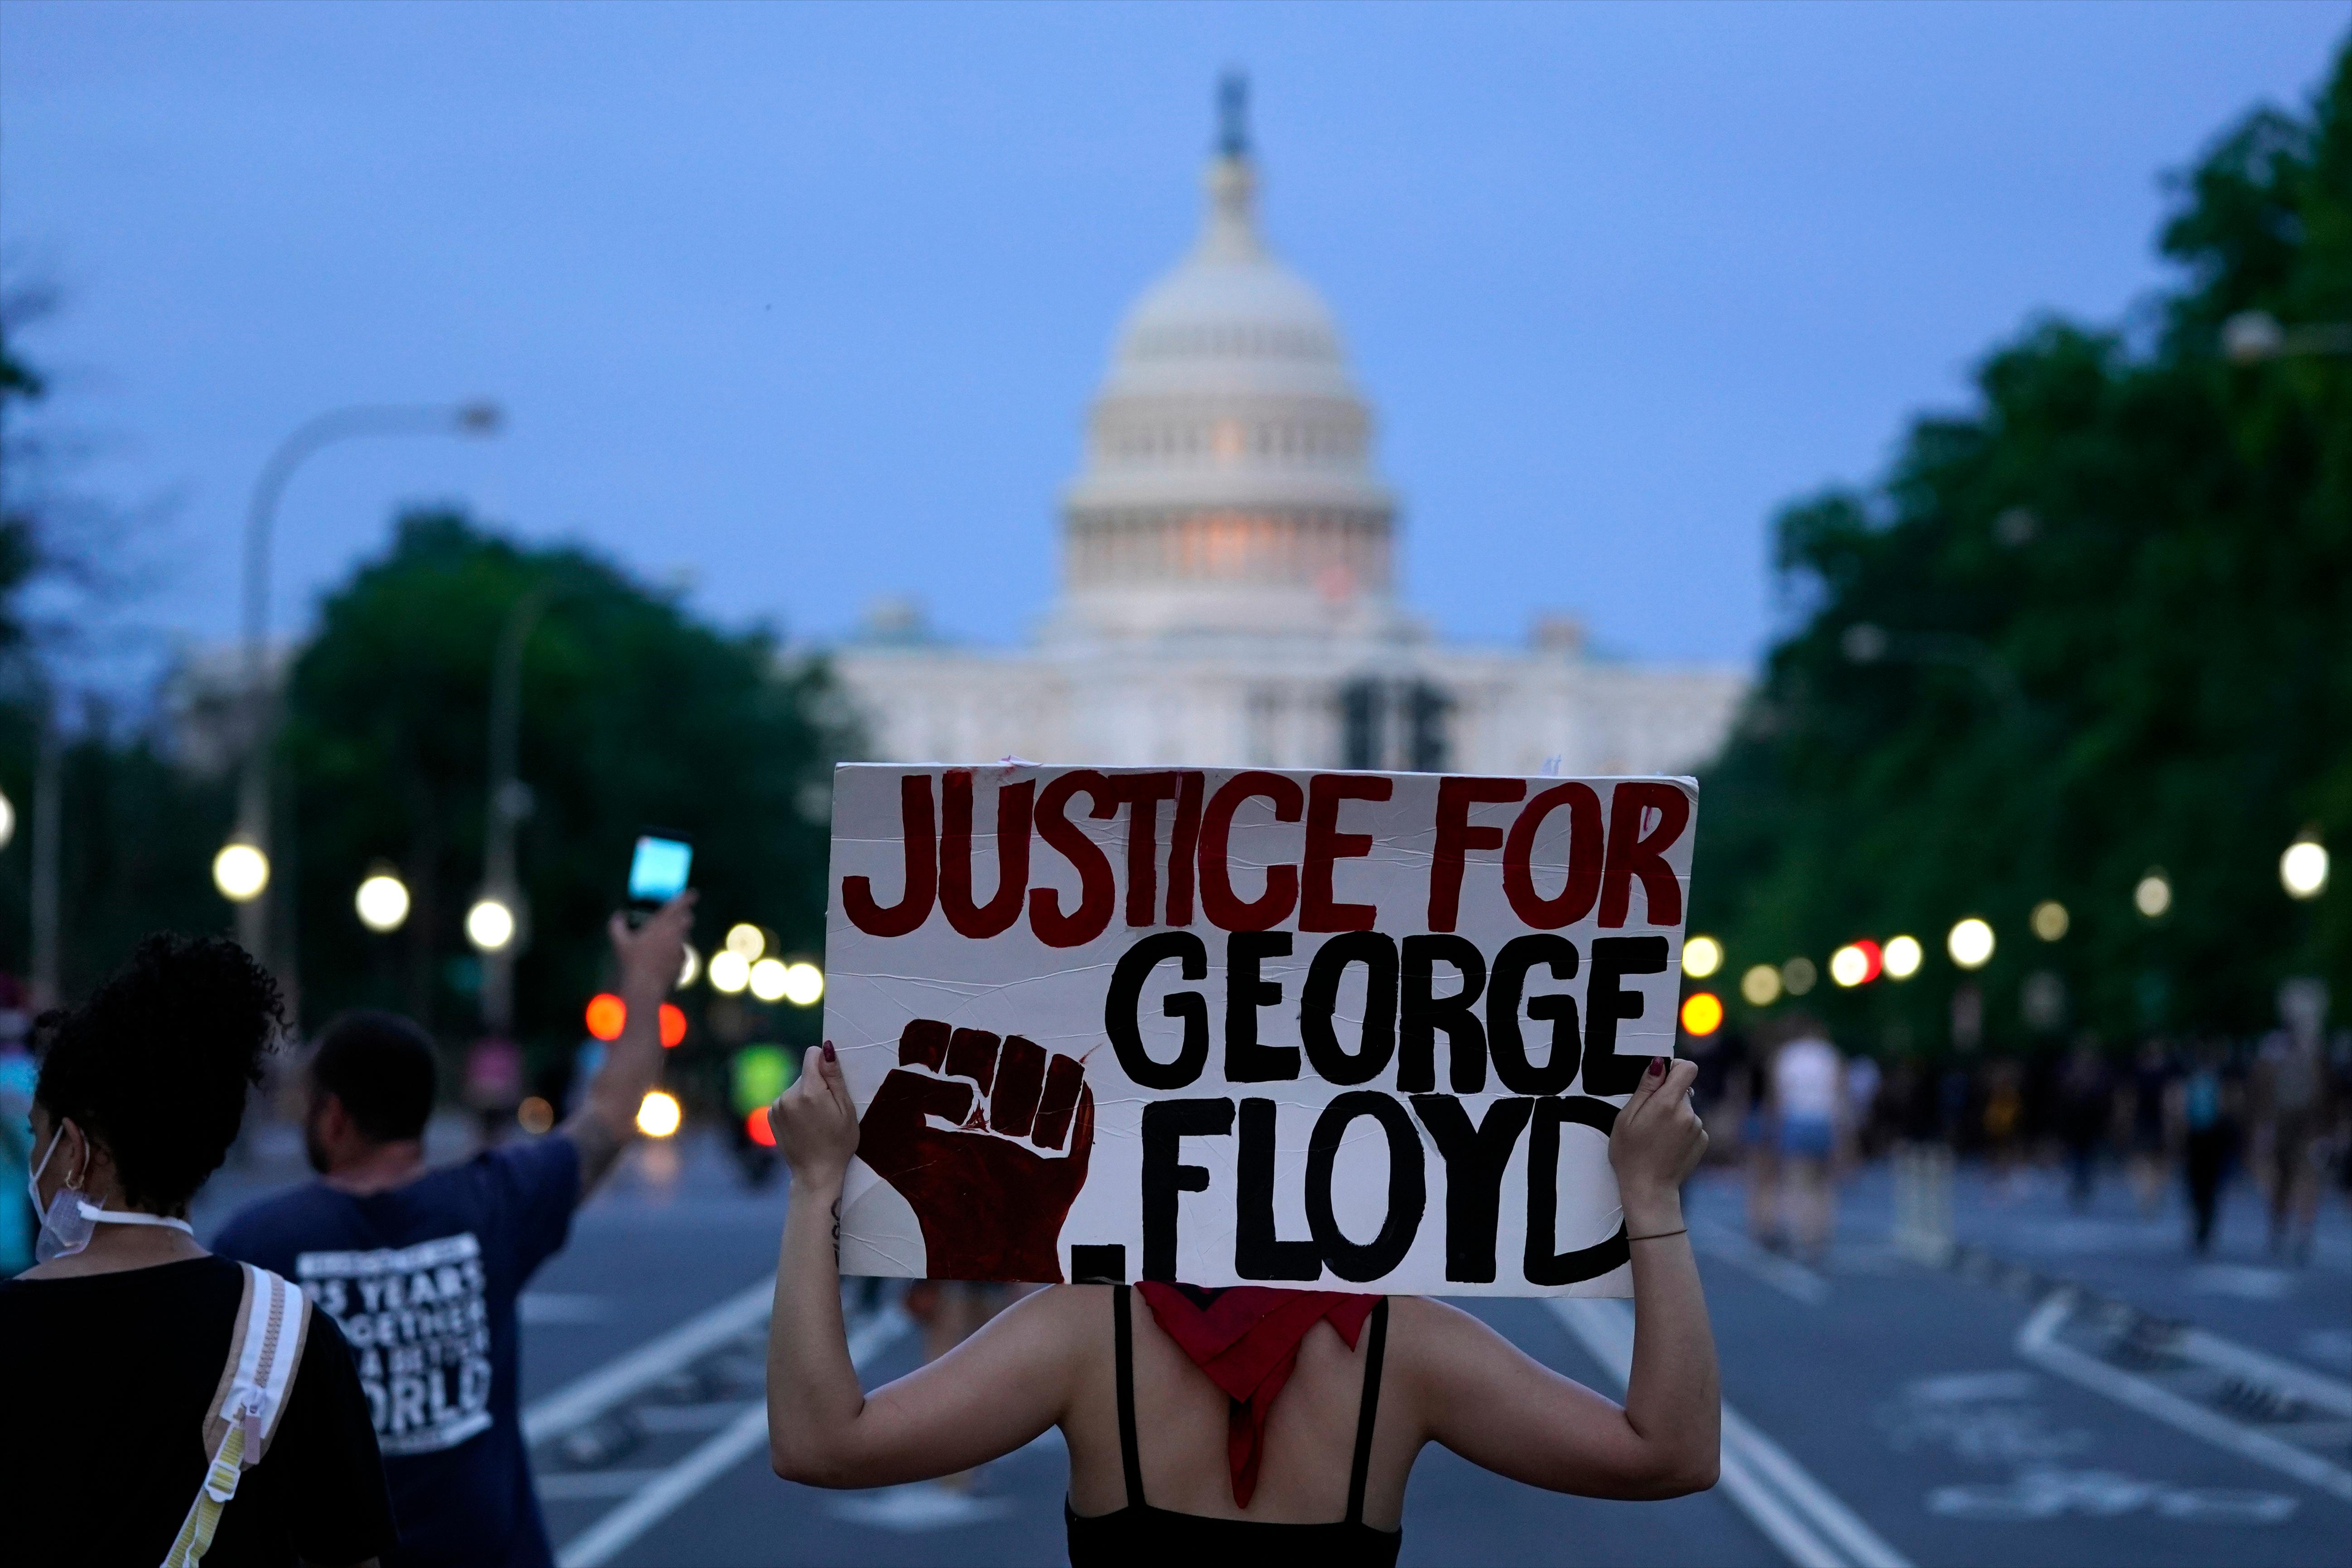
{"points": [[240, 871], [2303, 867], [2152, 895], [1903, 957], [2050, 920], [1971, 943], [7, 821], [381, 901], [477, 418], [491, 926], [804, 984], [1702, 956], [2251, 337]]}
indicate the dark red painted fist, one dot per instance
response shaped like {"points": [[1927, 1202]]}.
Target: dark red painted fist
{"points": [[992, 1185]]}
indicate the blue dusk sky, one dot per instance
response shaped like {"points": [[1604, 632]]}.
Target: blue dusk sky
{"points": [[802, 305]]}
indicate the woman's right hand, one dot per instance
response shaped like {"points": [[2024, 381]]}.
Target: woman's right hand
{"points": [[815, 1122], [1658, 1140]]}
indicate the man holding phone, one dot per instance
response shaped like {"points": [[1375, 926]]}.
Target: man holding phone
{"points": [[421, 1266]]}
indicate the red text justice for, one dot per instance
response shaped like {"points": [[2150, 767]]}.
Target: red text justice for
{"points": [[1606, 856]]}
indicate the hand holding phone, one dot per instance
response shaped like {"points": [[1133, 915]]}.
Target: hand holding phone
{"points": [[658, 871]]}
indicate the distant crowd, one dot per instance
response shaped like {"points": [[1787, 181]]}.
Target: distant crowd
{"points": [[2201, 1111]]}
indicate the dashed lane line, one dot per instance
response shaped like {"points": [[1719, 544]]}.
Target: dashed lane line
{"points": [[582, 1401], [1812, 1526], [665, 1489]]}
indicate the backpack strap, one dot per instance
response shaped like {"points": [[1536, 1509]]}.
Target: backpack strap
{"points": [[265, 1350]]}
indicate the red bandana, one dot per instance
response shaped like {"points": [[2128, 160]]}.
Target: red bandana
{"points": [[1246, 1340]]}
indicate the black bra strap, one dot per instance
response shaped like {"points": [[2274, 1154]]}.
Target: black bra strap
{"points": [[1369, 1412], [1123, 1337]]}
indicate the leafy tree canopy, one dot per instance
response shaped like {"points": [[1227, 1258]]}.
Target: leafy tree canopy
{"points": [[631, 714], [2100, 625]]}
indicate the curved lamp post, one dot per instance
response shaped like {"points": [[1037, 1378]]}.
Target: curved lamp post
{"points": [[477, 418]]}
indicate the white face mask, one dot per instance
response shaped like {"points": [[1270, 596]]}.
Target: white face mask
{"points": [[67, 1222]]}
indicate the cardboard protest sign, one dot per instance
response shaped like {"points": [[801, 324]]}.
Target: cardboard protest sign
{"points": [[1235, 1027]]}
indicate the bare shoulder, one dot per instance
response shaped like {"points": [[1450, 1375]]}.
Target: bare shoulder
{"points": [[1424, 1331]]}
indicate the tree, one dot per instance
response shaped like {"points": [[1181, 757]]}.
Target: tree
{"points": [[2093, 628], [631, 714]]}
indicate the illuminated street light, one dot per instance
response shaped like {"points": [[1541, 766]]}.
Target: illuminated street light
{"points": [[490, 925], [804, 984], [671, 1026], [608, 1015], [381, 901], [658, 1114], [7, 821], [1901, 958], [240, 871], [1702, 1014], [691, 969], [1798, 975], [1702, 956], [1971, 944], [2303, 868], [1760, 986], [1856, 964], [768, 980], [729, 972], [2153, 895], [2050, 920], [746, 942]]}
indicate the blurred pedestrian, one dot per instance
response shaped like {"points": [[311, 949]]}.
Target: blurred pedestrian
{"points": [[1809, 1107], [1307, 1461], [148, 1375], [2148, 1097], [2087, 1108], [2289, 1114], [2202, 1110], [424, 1265]]}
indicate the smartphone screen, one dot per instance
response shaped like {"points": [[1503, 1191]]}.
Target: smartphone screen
{"points": [[658, 871]]}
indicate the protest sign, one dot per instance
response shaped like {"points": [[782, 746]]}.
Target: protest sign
{"points": [[1235, 1027]]}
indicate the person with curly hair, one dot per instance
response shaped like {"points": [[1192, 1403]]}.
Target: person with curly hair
{"points": [[152, 1387]]}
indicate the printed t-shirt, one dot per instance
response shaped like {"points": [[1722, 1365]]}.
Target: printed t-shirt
{"points": [[423, 1279], [107, 1379], [1805, 1080]]}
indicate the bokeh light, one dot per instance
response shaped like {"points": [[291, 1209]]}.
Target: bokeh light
{"points": [[240, 871], [658, 1114], [381, 902], [768, 981], [804, 984], [2152, 896], [746, 942], [1702, 956], [608, 1015], [489, 925], [2303, 868], [1971, 943], [1760, 986], [673, 1025], [689, 969], [729, 972], [1855, 963], [1798, 975], [756, 1127], [535, 1115], [1702, 1014], [2050, 920], [1903, 957]]}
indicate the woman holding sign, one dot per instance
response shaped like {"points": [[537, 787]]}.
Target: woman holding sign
{"points": [[1226, 1421]]}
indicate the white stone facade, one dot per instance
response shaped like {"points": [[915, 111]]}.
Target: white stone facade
{"points": [[1228, 594]]}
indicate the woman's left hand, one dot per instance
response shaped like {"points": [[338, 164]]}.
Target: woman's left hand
{"points": [[815, 1122]]}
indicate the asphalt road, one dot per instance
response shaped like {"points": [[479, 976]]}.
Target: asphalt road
{"points": [[2066, 1389]]}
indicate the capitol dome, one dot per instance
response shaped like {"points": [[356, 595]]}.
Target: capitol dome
{"points": [[1229, 484]]}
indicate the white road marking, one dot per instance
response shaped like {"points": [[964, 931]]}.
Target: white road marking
{"points": [[1807, 1522], [2037, 1343], [664, 1491], [1786, 1275], [583, 1400]]}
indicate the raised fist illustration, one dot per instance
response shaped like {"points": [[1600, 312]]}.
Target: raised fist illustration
{"points": [[986, 1138]]}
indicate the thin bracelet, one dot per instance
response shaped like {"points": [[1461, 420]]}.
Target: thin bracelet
{"points": [[1661, 1236]]}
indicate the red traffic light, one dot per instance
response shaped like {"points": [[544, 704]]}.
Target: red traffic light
{"points": [[756, 1125], [608, 1015], [673, 1025]]}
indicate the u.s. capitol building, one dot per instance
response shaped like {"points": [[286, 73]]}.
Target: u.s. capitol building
{"points": [[1229, 595]]}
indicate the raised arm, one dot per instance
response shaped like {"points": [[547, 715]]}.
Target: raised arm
{"points": [[985, 1398], [1484, 1398], [650, 958]]}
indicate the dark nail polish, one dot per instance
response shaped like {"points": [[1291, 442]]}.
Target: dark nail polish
{"points": [[1657, 1065], [828, 1050]]}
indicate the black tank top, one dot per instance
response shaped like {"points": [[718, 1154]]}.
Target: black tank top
{"points": [[1141, 1534]]}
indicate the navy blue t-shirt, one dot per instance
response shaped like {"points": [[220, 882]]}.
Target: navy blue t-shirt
{"points": [[423, 1280]]}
